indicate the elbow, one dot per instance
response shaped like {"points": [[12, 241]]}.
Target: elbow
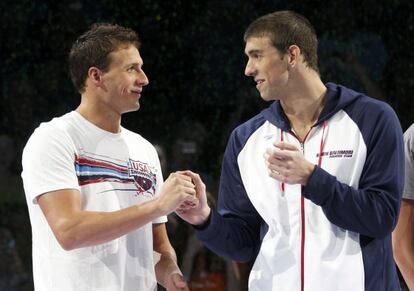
{"points": [[67, 246], [242, 255], [66, 236], [385, 230], [66, 241], [245, 259], [385, 223], [391, 223], [233, 252]]}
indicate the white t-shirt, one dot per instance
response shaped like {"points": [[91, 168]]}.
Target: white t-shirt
{"points": [[409, 163], [112, 172]]}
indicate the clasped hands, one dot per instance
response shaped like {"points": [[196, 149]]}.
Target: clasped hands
{"points": [[185, 193]]}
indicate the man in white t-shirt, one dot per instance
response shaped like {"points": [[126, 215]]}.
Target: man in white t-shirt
{"points": [[403, 235], [95, 191]]}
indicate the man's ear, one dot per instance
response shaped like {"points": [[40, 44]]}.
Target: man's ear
{"points": [[95, 76], [294, 54]]}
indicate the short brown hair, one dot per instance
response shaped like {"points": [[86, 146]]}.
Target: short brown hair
{"points": [[93, 47], [286, 28]]}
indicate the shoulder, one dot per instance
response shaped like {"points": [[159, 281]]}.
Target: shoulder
{"points": [[242, 132], [49, 136], [372, 115], [375, 105], [376, 120], [54, 129], [370, 107], [356, 104]]}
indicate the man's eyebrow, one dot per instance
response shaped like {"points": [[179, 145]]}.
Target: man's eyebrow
{"points": [[254, 51], [134, 64]]}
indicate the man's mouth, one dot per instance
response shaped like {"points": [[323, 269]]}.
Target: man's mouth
{"points": [[137, 92], [259, 82]]}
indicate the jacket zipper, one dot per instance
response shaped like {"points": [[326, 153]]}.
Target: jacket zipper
{"points": [[302, 215], [302, 197], [302, 201], [302, 245]]}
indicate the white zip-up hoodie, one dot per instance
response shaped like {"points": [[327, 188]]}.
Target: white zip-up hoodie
{"points": [[332, 234]]}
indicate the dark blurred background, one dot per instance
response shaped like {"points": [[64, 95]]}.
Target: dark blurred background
{"points": [[193, 54]]}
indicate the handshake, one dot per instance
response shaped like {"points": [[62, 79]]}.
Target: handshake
{"points": [[185, 193]]}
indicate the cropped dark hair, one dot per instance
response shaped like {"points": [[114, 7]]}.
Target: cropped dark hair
{"points": [[286, 28], [93, 47]]}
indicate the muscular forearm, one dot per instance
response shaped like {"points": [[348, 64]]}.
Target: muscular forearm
{"points": [[75, 227], [86, 228]]}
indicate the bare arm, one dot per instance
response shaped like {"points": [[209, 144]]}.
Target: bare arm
{"points": [[403, 242], [75, 227], [166, 269]]}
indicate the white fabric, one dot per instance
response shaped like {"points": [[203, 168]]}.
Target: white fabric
{"points": [[329, 250], [112, 172], [409, 163]]}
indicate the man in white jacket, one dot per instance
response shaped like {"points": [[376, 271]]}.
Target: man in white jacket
{"points": [[310, 187]]}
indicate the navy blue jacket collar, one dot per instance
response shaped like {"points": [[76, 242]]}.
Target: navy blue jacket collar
{"points": [[338, 97]]}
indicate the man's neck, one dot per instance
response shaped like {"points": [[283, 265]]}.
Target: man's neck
{"points": [[304, 106], [100, 115]]}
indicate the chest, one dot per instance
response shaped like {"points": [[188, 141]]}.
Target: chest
{"points": [[339, 147], [115, 173]]}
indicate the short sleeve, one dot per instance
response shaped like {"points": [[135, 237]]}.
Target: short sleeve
{"points": [[48, 162]]}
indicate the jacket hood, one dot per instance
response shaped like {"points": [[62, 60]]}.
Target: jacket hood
{"points": [[337, 98]]}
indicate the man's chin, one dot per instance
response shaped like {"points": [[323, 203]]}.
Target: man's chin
{"points": [[269, 97], [266, 97], [132, 109]]}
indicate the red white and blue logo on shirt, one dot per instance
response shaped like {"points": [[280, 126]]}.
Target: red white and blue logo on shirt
{"points": [[143, 174], [92, 169]]}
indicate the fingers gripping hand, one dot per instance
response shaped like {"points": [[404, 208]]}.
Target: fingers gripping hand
{"points": [[286, 163], [177, 189], [200, 212]]}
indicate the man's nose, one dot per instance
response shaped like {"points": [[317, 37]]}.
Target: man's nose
{"points": [[249, 70], [143, 79]]}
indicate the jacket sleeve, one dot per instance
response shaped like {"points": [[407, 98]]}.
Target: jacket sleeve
{"points": [[234, 228], [372, 209]]}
